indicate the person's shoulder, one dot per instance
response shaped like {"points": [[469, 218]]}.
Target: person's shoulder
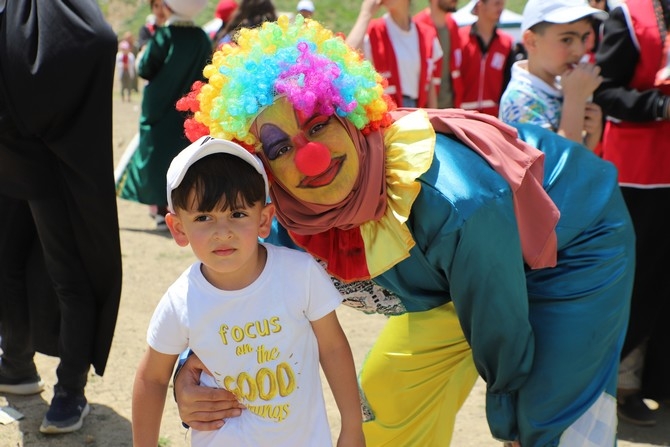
{"points": [[464, 32], [505, 37], [619, 12], [458, 184], [179, 288], [425, 28], [523, 79], [378, 23], [423, 16]]}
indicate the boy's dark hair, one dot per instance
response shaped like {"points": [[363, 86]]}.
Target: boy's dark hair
{"points": [[219, 180]]}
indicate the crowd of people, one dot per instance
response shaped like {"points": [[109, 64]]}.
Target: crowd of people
{"points": [[500, 200]]}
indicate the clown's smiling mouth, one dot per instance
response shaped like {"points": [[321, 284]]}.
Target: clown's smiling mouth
{"points": [[326, 177]]}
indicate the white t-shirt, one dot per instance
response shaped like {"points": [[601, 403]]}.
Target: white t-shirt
{"points": [[407, 55], [258, 342]]}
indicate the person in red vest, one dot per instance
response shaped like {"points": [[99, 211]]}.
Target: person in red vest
{"points": [[488, 55], [438, 14], [636, 101], [404, 51]]}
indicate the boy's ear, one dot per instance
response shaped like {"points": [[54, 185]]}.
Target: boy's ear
{"points": [[176, 229], [265, 224], [528, 38]]}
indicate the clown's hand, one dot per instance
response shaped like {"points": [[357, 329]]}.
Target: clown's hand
{"points": [[200, 407]]}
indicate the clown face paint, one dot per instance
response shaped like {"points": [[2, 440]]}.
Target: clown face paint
{"points": [[283, 132]]}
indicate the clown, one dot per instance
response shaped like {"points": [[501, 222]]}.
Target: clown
{"points": [[490, 256]]}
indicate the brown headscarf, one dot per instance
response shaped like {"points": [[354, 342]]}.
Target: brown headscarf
{"points": [[367, 200]]}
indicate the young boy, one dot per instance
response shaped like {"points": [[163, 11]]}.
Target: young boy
{"points": [[261, 317], [552, 88]]}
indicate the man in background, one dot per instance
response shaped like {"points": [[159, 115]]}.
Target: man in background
{"points": [[438, 14]]}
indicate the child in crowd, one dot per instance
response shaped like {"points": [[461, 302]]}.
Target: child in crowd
{"points": [[125, 69], [552, 88], [261, 317]]}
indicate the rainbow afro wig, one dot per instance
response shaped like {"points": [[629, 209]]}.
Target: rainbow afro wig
{"points": [[313, 68]]}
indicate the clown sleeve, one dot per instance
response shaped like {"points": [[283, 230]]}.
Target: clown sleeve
{"points": [[489, 293], [474, 242]]}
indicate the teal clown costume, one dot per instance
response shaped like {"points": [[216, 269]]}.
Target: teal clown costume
{"points": [[499, 251]]}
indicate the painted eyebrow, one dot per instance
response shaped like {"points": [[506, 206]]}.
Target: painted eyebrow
{"points": [[271, 134], [310, 118]]}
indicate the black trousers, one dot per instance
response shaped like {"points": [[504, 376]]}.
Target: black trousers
{"points": [[57, 184], [15, 330], [650, 305], [76, 304]]}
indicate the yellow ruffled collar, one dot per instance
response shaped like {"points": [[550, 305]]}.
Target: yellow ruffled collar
{"points": [[410, 145]]}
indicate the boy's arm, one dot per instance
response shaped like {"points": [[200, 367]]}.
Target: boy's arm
{"points": [[151, 383], [572, 120], [337, 363], [578, 85]]}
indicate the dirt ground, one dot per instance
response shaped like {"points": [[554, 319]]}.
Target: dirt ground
{"points": [[151, 261]]}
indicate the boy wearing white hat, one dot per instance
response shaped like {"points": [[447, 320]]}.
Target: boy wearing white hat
{"points": [[261, 317], [552, 88]]}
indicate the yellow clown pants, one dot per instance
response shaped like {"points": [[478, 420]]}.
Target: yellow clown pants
{"points": [[416, 378]]}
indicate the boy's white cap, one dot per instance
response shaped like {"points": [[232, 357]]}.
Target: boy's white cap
{"points": [[203, 147], [305, 5], [187, 9], [558, 11]]}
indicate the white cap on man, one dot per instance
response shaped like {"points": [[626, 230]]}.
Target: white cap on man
{"points": [[305, 5], [558, 11]]}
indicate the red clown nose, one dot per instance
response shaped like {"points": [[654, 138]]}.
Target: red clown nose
{"points": [[312, 158]]}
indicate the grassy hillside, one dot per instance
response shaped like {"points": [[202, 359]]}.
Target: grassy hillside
{"points": [[338, 15]]}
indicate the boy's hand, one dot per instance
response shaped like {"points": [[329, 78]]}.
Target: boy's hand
{"points": [[581, 81], [201, 407]]}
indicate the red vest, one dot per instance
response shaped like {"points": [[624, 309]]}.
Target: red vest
{"points": [[423, 16], [384, 60], [485, 72], [641, 151]]}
